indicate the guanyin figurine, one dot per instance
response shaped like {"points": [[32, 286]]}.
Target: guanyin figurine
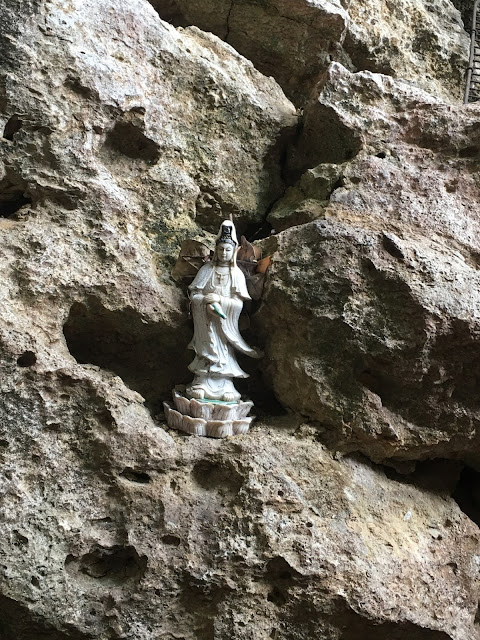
{"points": [[211, 404], [217, 296]]}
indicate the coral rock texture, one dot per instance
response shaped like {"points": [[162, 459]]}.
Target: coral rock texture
{"points": [[126, 533], [121, 136], [347, 512]]}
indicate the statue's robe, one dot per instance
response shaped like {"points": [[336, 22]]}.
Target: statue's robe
{"points": [[215, 339]]}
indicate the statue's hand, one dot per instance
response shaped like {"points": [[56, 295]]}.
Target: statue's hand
{"points": [[216, 309], [210, 298]]}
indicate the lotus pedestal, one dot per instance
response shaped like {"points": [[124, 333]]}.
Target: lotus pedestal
{"points": [[212, 418]]}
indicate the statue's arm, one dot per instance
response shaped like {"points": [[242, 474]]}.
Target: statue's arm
{"points": [[212, 302], [196, 295]]}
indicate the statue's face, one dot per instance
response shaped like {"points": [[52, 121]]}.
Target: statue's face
{"points": [[224, 252]]}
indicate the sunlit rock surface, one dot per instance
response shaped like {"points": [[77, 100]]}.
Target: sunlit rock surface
{"points": [[123, 135]]}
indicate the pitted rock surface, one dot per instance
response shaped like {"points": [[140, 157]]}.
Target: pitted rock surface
{"points": [[124, 135], [378, 293], [419, 41]]}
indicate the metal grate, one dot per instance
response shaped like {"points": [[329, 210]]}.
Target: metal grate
{"points": [[472, 88]]}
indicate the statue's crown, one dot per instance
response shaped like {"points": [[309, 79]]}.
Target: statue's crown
{"points": [[226, 235]]}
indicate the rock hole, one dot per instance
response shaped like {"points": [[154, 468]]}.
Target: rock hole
{"points": [[324, 139], [75, 84], [115, 565], [35, 582], [27, 359], [12, 127], [53, 426], [279, 569], [258, 231], [467, 494], [277, 597], [438, 475], [452, 186], [12, 201], [469, 152], [103, 521], [147, 356], [19, 539], [173, 541], [127, 139], [139, 477], [391, 246], [214, 475], [371, 380], [382, 155], [338, 184], [281, 577]]}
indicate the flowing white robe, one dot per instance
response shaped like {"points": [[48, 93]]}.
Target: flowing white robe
{"points": [[215, 339]]}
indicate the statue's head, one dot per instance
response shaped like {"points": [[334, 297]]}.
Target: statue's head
{"points": [[224, 252], [226, 244]]}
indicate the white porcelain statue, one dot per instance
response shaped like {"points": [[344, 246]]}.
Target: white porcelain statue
{"points": [[210, 405], [217, 296]]}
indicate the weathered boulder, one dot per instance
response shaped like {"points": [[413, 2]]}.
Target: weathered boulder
{"points": [[375, 302], [294, 41], [163, 123], [125, 533]]}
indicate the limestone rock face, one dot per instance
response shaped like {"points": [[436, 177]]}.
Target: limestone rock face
{"points": [[294, 40], [378, 295], [265, 534], [121, 136], [158, 118], [289, 40], [419, 41]]}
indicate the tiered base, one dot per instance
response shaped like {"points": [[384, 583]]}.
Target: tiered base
{"points": [[203, 418]]}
